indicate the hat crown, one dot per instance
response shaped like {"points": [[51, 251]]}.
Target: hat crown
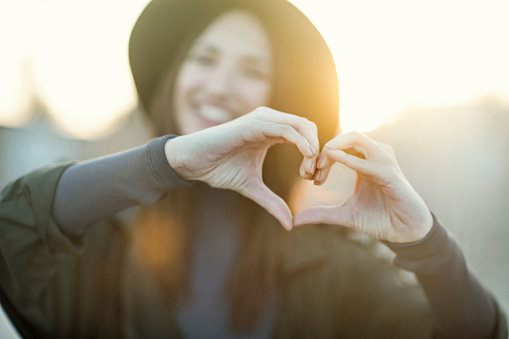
{"points": [[305, 72]]}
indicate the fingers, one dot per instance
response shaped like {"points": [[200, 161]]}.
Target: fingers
{"points": [[271, 202], [289, 134], [274, 120], [356, 151], [359, 165], [356, 143], [307, 168], [302, 125], [323, 166]]}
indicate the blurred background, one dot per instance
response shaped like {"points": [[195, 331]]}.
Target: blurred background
{"points": [[430, 78]]}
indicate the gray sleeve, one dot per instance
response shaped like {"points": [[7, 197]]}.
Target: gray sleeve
{"points": [[461, 307], [93, 190]]}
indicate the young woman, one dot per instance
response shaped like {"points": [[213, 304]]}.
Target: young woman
{"points": [[205, 255]]}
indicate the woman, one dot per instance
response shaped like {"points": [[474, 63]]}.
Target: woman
{"points": [[205, 256]]}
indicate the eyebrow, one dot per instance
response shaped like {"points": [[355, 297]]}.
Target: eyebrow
{"points": [[255, 60], [208, 47]]}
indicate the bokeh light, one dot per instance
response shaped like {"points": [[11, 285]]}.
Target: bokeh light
{"points": [[76, 57], [71, 57], [398, 52], [15, 43]]}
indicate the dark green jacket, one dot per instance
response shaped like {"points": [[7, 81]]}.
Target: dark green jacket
{"points": [[56, 287]]}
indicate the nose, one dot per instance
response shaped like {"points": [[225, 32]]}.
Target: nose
{"points": [[220, 82]]}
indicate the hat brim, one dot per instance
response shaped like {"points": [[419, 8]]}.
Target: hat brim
{"points": [[309, 83]]}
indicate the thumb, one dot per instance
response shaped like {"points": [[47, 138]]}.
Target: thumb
{"points": [[332, 215], [271, 202]]}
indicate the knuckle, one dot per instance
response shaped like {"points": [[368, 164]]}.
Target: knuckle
{"points": [[262, 110], [313, 126], [387, 147], [287, 129], [302, 122], [354, 134]]}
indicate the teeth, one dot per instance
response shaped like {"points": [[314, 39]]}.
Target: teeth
{"points": [[214, 113]]}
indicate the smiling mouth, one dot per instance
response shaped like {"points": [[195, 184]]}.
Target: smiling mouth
{"points": [[214, 114]]}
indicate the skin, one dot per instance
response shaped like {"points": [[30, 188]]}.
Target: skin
{"points": [[383, 204], [226, 73], [228, 151]]}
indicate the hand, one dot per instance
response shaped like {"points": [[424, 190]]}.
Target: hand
{"points": [[231, 155], [383, 205]]}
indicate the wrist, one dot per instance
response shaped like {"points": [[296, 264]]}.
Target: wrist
{"points": [[173, 151], [421, 229]]}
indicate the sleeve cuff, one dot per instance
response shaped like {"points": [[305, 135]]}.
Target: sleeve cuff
{"points": [[160, 169], [429, 255]]}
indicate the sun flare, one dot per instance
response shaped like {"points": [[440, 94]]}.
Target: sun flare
{"points": [[389, 54]]}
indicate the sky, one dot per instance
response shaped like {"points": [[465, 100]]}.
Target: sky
{"points": [[389, 55]]}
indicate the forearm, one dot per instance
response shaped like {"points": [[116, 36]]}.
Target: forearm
{"points": [[460, 305], [92, 190]]}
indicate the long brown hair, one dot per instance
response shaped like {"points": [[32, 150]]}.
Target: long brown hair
{"points": [[163, 236], [164, 239]]}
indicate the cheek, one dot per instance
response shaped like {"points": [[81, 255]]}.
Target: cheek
{"points": [[185, 81], [187, 78], [190, 78], [257, 94]]}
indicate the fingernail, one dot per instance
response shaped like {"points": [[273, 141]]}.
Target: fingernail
{"points": [[312, 167], [302, 172], [330, 147], [312, 150], [318, 179], [318, 176], [308, 176], [320, 162]]}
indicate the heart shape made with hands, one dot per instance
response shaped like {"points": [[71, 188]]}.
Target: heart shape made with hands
{"points": [[383, 204], [231, 156], [317, 170]]}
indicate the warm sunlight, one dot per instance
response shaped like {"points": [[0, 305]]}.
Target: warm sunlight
{"points": [[399, 52], [76, 57], [389, 54]]}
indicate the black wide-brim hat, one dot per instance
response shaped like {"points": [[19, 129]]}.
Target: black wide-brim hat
{"points": [[305, 75]]}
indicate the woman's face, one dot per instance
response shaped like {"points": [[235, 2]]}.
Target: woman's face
{"points": [[226, 73]]}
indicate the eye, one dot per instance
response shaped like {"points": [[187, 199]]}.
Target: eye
{"points": [[255, 73], [202, 58]]}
